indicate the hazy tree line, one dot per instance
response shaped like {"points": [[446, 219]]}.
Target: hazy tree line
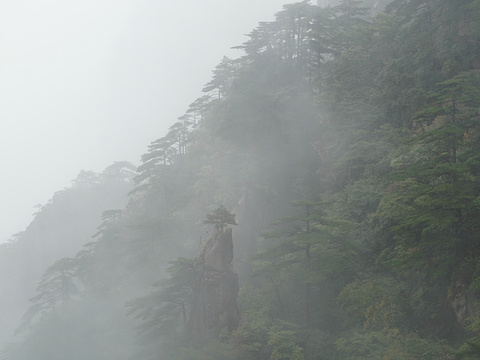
{"points": [[347, 150]]}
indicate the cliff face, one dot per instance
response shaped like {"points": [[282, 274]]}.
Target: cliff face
{"points": [[216, 289], [463, 303]]}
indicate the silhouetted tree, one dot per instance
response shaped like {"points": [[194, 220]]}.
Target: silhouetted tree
{"points": [[220, 217]]}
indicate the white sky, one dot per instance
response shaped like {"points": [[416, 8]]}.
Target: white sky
{"points": [[85, 83]]}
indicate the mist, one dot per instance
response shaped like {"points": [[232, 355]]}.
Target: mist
{"points": [[313, 193], [86, 84]]}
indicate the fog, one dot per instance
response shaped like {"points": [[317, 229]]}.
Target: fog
{"points": [[83, 84], [318, 195]]}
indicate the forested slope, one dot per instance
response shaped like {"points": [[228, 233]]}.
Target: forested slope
{"points": [[348, 150], [59, 228]]}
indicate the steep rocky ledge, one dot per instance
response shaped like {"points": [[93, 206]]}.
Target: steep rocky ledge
{"points": [[463, 302], [216, 289]]}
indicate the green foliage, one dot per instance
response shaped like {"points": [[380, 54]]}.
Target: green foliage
{"points": [[263, 337], [165, 309], [379, 117], [470, 349], [391, 345], [220, 217], [215, 350], [376, 304], [284, 346], [298, 264]]}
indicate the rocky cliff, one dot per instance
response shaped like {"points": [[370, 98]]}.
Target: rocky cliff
{"points": [[216, 289]]}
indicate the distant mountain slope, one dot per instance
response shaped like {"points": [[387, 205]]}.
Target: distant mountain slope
{"points": [[59, 229]]}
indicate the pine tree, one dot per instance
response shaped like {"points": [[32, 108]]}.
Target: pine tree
{"points": [[220, 218]]}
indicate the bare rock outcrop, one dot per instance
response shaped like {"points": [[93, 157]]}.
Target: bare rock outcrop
{"points": [[462, 302], [216, 289]]}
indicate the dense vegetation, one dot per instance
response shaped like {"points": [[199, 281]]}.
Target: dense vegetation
{"points": [[348, 149]]}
